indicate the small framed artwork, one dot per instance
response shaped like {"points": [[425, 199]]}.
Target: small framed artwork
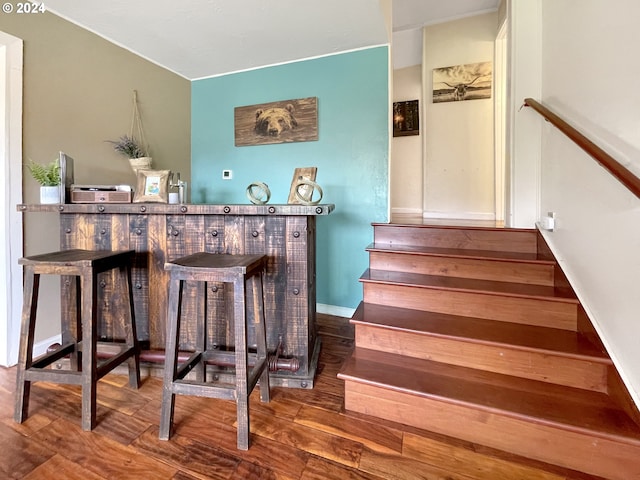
{"points": [[406, 118], [66, 177], [152, 186], [304, 174]]}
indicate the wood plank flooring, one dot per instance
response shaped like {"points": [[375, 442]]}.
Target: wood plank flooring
{"points": [[299, 435]]}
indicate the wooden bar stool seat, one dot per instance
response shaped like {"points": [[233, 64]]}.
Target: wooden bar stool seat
{"points": [[240, 274], [80, 341]]}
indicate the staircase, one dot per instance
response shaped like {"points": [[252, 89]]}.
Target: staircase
{"points": [[476, 334]]}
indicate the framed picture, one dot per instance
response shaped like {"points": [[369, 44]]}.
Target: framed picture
{"points": [[471, 81], [277, 122], [406, 118], [152, 186], [66, 177]]}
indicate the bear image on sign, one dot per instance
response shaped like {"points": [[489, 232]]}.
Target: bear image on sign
{"points": [[274, 121], [277, 122]]}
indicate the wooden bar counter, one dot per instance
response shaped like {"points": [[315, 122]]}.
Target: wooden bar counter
{"points": [[162, 232]]}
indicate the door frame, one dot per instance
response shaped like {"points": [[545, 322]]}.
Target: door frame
{"points": [[500, 120], [11, 192]]}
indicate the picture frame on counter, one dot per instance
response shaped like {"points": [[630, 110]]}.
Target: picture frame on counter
{"points": [[152, 186]]}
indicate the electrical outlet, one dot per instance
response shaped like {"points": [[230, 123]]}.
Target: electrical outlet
{"points": [[227, 174], [549, 222]]}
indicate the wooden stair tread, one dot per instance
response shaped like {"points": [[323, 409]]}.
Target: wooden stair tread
{"points": [[478, 330], [459, 253], [561, 407], [471, 285]]}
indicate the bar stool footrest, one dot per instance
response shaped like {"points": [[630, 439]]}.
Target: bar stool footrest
{"points": [[107, 365], [256, 372], [70, 377], [187, 366], [51, 357], [200, 389]]}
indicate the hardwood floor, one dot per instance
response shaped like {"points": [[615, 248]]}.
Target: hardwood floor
{"points": [[299, 435]]}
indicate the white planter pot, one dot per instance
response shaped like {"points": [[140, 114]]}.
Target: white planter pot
{"points": [[50, 194], [142, 163]]}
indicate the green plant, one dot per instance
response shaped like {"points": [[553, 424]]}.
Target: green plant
{"points": [[128, 147], [46, 175]]}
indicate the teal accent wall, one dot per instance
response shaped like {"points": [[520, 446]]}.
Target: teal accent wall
{"points": [[351, 153]]}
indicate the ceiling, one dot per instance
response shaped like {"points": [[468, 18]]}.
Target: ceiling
{"points": [[205, 38]]}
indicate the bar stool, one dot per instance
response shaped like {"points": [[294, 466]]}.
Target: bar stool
{"points": [[236, 272], [80, 340]]}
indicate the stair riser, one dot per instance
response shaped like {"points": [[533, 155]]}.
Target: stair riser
{"points": [[521, 241], [508, 360], [529, 311], [517, 272], [616, 460]]}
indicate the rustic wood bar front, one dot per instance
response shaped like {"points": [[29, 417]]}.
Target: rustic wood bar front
{"points": [[162, 232]]}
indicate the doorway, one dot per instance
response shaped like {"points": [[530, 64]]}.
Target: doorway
{"points": [[459, 164], [11, 194]]}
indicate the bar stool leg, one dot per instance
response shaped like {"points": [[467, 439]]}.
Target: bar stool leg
{"points": [[88, 294], [261, 335], [72, 330], [240, 335], [201, 331], [130, 329], [25, 355], [171, 358]]}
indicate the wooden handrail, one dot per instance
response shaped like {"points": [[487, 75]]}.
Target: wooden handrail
{"points": [[624, 175]]}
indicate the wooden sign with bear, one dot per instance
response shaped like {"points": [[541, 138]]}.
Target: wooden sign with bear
{"points": [[277, 122]]}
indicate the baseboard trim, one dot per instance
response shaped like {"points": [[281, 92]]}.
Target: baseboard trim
{"points": [[41, 347], [406, 211], [335, 310], [459, 215]]}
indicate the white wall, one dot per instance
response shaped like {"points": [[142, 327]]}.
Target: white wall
{"points": [[458, 145], [590, 72], [407, 48], [406, 152]]}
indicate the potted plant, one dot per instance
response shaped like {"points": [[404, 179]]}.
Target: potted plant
{"points": [[48, 176], [130, 148]]}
